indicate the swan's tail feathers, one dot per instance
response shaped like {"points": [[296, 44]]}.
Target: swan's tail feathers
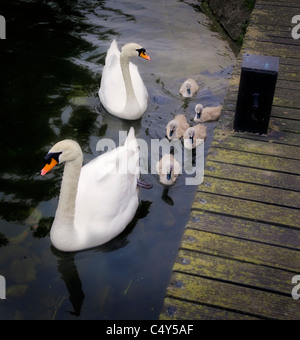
{"points": [[132, 150], [131, 140], [131, 133], [112, 52]]}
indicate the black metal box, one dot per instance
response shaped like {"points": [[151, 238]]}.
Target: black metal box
{"points": [[256, 93]]}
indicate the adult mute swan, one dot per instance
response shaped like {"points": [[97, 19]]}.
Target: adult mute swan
{"points": [[207, 114], [97, 201], [176, 127], [194, 136], [189, 88], [122, 91]]}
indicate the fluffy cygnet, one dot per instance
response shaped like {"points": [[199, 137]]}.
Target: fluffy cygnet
{"points": [[168, 169], [176, 127], [189, 88], [194, 136], [207, 114]]}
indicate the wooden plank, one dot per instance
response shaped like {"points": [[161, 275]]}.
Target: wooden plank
{"points": [[273, 136], [174, 309], [283, 97], [286, 84], [287, 118], [266, 278], [288, 62], [241, 250], [286, 112], [259, 147], [280, 34], [281, 130], [291, 79], [250, 175], [282, 4], [289, 70], [286, 125], [270, 15], [253, 192], [233, 297], [254, 211], [277, 35], [265, 162], [271, 49], [287, 67], [245, 229], [279, 38], [287, 98], [263, 30]]}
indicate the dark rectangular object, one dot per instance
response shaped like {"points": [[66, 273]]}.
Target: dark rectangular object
{"points": [[256, 93]]}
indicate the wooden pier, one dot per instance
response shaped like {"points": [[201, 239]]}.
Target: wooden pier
{"points": [[241, 246]]}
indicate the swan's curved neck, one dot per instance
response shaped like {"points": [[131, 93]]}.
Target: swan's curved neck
{"points": [[63, 232], [130, 95], [68, 192]]}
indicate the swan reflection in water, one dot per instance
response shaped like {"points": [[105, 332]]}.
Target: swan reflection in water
{"points": [[66, 265]]}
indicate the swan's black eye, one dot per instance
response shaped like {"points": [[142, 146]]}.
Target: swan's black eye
{"points": [[54, 155], [141, 51]]}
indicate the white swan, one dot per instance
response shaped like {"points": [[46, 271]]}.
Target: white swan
{"points": [[168, 169], [208, 113], [122, 91], [194, 136], [189, 88], [97, 201], [176, 127]]}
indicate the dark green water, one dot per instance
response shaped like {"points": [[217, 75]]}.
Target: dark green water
{"points": [[51, 65]]}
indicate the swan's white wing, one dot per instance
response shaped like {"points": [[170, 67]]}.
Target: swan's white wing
{"points": [[107, 196], [112, 90]]}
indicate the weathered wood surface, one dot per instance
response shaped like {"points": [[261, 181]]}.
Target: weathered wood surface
{"points": [[241, 246], [232, 297], [245, 229]]}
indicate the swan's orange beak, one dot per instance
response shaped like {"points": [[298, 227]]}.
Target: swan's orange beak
{"points": [[144, 55], [49, 166]]}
